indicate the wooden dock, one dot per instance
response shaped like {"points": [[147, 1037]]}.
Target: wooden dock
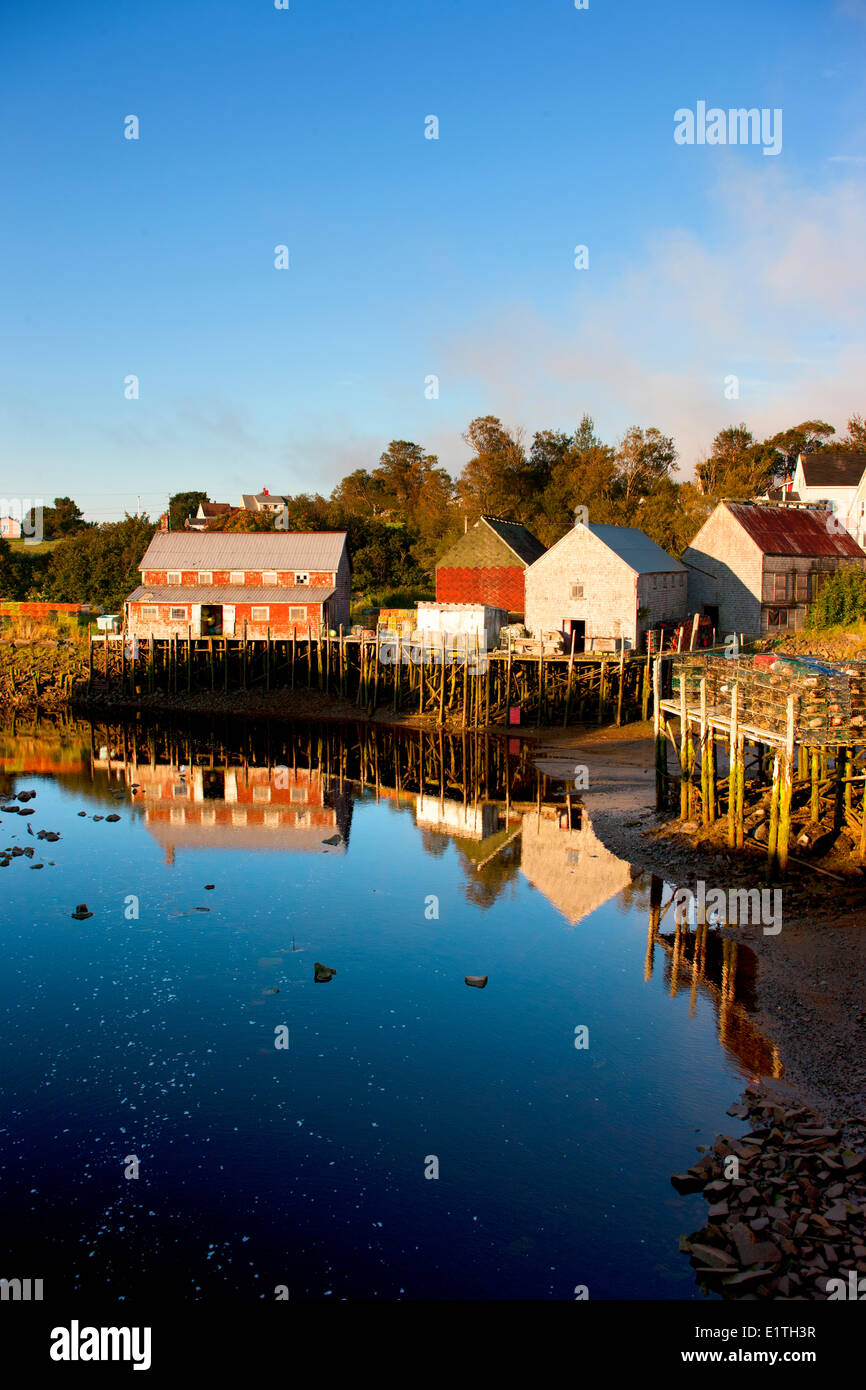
{"points": [[450, 682], [809, 764]]}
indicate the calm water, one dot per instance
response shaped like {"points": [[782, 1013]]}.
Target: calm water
{"points": [[152, 1036]]}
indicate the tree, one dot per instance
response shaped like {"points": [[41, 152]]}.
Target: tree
{"points": [[65, 518], [360, 492], [242, 520], [497, 480], [780, 451], [643, 459], [99, 565], [574, 471], [402, 472], [855, 440], [737, 466], [181, 505], [10, 573]]}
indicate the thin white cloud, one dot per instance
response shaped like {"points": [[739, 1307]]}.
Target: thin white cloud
{"points": [[776, 297]]}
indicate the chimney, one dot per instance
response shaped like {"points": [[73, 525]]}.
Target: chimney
{"points": [[163, 522], [264, 492]]}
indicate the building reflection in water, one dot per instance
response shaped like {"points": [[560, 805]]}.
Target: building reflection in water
{"points": [[293, 789]]}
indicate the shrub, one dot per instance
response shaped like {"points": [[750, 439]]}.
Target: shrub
{"points": [[841, 599]]}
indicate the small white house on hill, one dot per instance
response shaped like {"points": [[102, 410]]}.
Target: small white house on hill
{"points": [[605, 584]]}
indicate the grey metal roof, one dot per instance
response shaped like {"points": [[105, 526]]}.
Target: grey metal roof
{"points": [[229, 593], [238, 550], [636, 549]]}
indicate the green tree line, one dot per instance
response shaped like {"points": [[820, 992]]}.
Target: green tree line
{"points": [[404, 513]]}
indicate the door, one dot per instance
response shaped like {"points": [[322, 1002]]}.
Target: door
{"points": [[577, 628], [228, 620], [196, 619]]}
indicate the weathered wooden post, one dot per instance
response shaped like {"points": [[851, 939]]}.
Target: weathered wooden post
{"points": [[705, 776], [731, 770], [684, 750], [442, 681], [602, 689], [621, 682], [569, 680], [773, 835], [659, 734], [786, 790]]}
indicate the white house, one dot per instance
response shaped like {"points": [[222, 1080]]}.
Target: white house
{"points": [[831, 480], [605, 584]]}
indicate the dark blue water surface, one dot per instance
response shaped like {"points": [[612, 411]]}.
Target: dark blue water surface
{"points": [[153, 1037]]}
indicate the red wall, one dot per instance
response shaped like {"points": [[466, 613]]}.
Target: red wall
{"points": [[189, 578], [279, 625], [499, 587]]}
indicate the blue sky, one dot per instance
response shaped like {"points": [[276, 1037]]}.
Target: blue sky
{"points": [[411, 257]]}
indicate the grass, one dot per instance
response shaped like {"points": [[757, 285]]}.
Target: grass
{"points": [[62, 626], [24, 547]]}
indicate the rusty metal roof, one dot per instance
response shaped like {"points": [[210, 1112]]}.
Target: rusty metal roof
{"points": [[793, 531], [239, 550]]}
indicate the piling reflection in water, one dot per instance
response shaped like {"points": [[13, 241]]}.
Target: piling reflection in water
{"points": [[292, 788], [702, 961]]}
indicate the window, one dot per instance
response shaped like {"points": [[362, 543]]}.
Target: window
{"points": [[149, 612], [577, 591], [205, 576], [302, 577], [777, 618], [802, 587], [236, 577], [655, 581], [173, 577], [260, 615], [780, 587], [297, 615], [178, 615], [269, 577]]}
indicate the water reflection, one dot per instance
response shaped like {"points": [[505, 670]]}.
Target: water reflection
{"points": [[294, 788], [700, 961], [166, 1020]]}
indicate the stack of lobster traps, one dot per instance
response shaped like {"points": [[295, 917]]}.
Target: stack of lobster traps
{"points": [[829, 698]]}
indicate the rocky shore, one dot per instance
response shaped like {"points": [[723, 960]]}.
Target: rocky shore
{"points": [[787, 1204]]}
